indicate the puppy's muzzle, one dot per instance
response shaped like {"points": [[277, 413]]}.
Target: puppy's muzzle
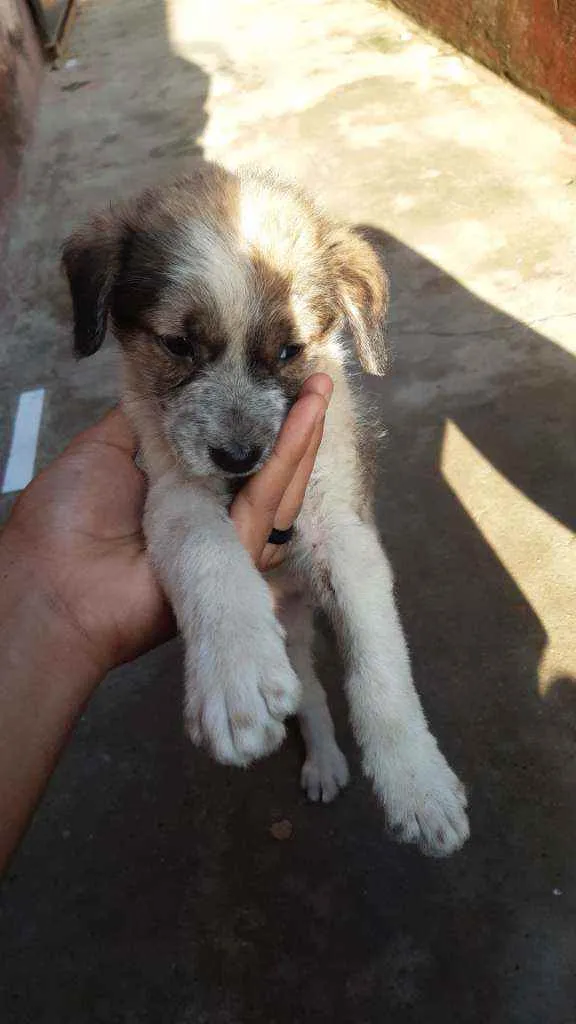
{"points": [[236, 459]]}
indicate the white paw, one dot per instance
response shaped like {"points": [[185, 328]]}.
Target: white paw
{"points": [[238, 694], [324, 772], [425, 802]]}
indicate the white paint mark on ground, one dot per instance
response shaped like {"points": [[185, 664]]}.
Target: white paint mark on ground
{"points": [[20, 466]]}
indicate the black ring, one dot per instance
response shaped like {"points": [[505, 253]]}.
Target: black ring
{"points": [[279, 537]]}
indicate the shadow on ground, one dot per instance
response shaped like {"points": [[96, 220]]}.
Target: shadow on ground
{"points": [[150, 889]]}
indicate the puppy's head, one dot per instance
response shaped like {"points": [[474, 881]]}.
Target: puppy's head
{"points": [[226, 292]]}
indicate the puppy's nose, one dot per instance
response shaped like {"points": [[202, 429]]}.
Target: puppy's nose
{"points": [[236, 458]]}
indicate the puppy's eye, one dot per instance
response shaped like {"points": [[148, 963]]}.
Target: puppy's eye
{"points": [[288, 352], [178, 345]]}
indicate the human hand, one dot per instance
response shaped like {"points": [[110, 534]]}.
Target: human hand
{"points": [[273, 497], [75, 532]]}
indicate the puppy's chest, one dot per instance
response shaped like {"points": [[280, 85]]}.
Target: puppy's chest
{"points": [[313, 521], [334, 495], [321, 511]]}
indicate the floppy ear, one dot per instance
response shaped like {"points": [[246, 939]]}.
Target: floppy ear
{"points": [[362, 286], [89, 258]]}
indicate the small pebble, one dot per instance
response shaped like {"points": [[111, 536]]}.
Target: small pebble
{"points": [[281, 829]]}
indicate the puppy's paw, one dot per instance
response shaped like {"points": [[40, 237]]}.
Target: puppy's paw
{"points": [[324, 772], [238, 697], [425, 802]]}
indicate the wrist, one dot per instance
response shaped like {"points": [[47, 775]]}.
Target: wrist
{"points": [[38, 626], [47, 678]]}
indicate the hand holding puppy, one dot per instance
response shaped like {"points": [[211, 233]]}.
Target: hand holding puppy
{"points": [[79, 595]]}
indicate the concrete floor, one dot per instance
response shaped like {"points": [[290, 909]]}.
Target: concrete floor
{"points": [[150, 889]]}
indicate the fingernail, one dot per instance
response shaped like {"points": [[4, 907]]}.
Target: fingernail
{"points": [[322, 386], [326, 388]]}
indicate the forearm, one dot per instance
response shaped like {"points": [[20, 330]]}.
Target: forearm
{"points": [[45, 680]]}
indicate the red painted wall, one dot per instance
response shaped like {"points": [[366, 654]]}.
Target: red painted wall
{"points": [[532, 42]]}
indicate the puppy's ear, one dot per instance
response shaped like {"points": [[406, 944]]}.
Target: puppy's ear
{"points": [[362, 288], [89, 258]]}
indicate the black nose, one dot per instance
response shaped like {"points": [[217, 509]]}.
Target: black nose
{"points": [[236, 458]]}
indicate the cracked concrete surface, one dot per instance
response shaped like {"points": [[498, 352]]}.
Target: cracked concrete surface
{"points": [[150, 888]]}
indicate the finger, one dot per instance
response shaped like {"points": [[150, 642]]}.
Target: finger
{"points": [[293, 496], [255, 507], [291, 503], [264, 492], [319, 384], [289, 508]]}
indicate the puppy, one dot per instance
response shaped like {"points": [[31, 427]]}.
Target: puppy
{"points": [[226, 291]]}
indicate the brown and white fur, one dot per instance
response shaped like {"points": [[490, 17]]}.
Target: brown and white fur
{"points": [[226, 291]]}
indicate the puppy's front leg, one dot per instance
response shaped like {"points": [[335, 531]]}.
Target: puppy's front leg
{"points": [[239, 682], [424, 801]]}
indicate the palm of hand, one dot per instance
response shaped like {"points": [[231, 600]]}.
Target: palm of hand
{"points": [[82, 518]]}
